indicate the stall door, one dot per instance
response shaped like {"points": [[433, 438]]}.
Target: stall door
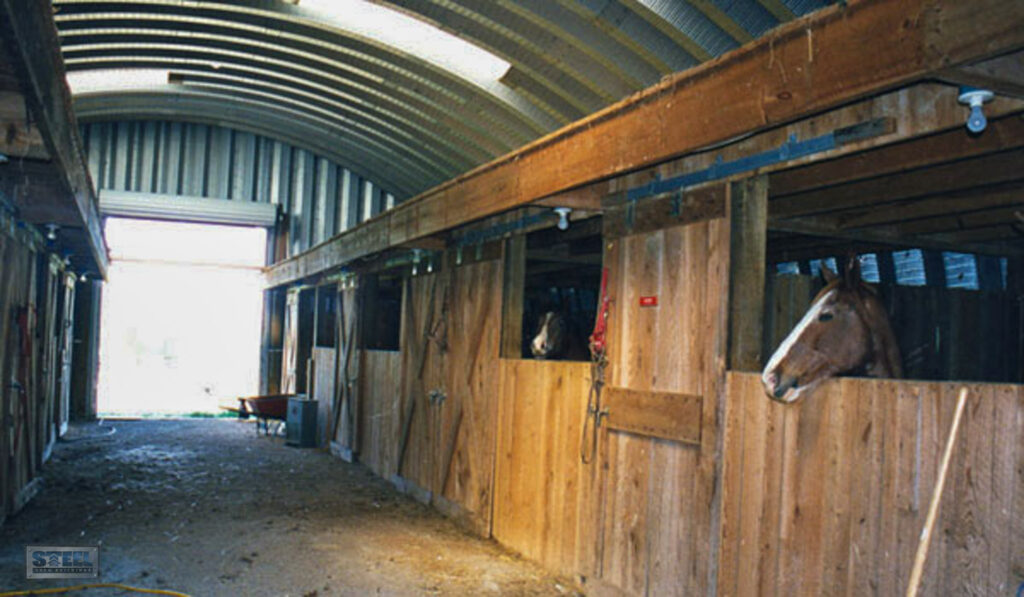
{"points": [[344, 412], [450, 339], [666, 355]]}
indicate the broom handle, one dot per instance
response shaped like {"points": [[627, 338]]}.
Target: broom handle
{"points": [[933, 508]]}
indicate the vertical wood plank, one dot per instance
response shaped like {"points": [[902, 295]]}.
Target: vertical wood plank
{"points": [[513, 290], [748, 208], [1006, 433]]}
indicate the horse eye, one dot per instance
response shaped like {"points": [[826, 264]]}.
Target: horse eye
{"points": [[825, 317]]}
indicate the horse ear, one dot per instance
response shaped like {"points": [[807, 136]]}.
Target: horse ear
{"points": [[852, 277], [827, 273]]}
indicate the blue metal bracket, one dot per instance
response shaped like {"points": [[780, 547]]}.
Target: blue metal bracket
{"points": [[790, 150], [479, 237]]}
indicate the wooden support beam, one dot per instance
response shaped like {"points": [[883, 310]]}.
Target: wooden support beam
{"points": [[893, 238], [748, 215], [963, 221], [1003, 133], [973, 200], [1003, 75], [18, 138], [586, 198], [30, 44], [693, 205], [992, 169], [779, 10], [801, 68]]}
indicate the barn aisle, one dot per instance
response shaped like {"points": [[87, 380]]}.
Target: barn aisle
{"points": [[207, 508]]}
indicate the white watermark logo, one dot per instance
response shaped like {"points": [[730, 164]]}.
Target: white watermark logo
{"points": [[61, 562]]}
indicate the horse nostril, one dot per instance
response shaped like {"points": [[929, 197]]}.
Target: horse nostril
{"points": [[779, 391]]}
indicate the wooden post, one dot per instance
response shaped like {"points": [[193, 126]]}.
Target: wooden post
{"points": [[512, 298], [748, 214], [886, 268], [934, 269]]}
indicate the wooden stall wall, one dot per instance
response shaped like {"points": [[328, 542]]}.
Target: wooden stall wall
{"points": [[829, 496], [430, 410], [30, 329], [640, 518], [542, 492]]}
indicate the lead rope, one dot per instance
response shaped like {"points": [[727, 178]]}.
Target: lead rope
{"points": [[598, 363]]}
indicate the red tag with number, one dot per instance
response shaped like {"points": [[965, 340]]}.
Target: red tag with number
{"points": [[649, 301]]}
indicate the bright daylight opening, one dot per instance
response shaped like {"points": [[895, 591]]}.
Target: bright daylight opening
{"points": [[180, 323]]}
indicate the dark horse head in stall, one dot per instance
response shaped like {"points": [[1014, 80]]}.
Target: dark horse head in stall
{"points": [[557, 338], [845, 331]]}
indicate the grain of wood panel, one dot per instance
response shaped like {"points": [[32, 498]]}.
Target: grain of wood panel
{"points": [[858, 465], [324, 363], [1017, 534], [748, 214], [450, 340], [381, 415], [26, 307], [471, 380], [658, 495], [1008, 406], [665, 415], [540, 483]]}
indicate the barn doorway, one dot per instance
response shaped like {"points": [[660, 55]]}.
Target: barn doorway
{"points": [[180, 323]]}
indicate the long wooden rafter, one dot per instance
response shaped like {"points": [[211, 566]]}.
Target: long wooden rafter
{"points": [[833, 57], [33, 51]]}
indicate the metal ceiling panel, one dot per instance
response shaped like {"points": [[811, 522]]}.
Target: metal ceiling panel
{"points": [[404, 120]]}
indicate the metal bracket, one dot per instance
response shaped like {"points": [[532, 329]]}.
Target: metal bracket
{"points": [[437, 396], [677, 204]]}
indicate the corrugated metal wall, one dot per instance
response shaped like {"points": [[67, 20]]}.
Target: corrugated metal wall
{"points": [[320, 197]]}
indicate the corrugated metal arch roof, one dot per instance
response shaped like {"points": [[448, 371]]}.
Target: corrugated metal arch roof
{"points": [[405, 121]]}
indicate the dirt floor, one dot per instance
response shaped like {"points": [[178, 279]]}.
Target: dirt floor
{"points": [[208, 508]]}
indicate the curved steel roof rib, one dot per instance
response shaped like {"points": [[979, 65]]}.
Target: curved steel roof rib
{"points": [[406, 116]]}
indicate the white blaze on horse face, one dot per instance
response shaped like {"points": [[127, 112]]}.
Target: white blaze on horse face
{"points": [[540, 341], [787, 345]]}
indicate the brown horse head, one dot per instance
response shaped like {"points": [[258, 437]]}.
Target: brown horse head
{"points": [[846, 330]]}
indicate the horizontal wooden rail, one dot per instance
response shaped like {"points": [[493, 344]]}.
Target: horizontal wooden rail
{"points": [[664, 415]]}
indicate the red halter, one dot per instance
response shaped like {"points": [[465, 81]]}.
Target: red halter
{"points": [[598, 342]]}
